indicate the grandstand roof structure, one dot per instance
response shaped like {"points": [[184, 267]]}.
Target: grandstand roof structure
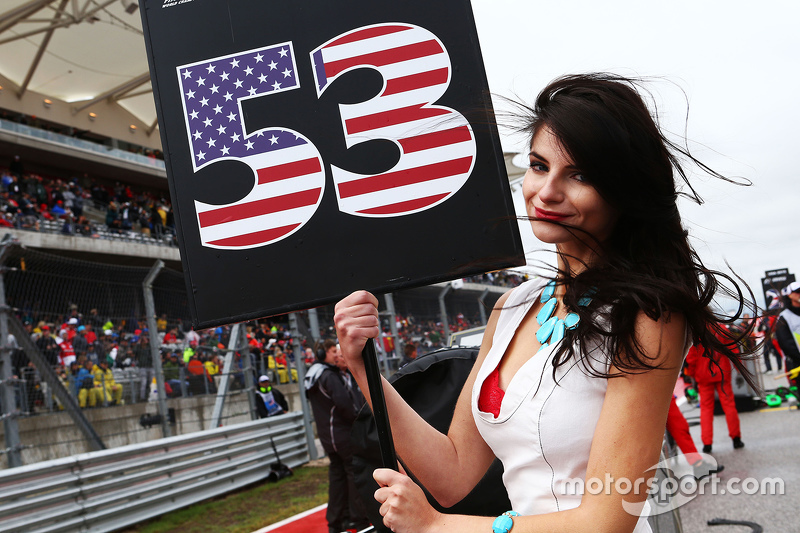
{"points": [[82, 52]]}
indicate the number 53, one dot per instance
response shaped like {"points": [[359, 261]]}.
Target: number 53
{"points": [[437, 145]]}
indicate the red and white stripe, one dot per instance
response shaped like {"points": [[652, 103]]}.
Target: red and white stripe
{"points": [[437, 145], [288, 189]]}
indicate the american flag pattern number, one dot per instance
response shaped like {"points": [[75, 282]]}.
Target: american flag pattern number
{"points": [[288, 171], [437, 145]]}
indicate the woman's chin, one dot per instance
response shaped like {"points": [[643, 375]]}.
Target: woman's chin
{"points": [[550, 234]]}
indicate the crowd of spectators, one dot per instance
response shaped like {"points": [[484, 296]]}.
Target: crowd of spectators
{"points": [[429, 334], [502, 278], [27, 199], [88, 350], [85, 350]]}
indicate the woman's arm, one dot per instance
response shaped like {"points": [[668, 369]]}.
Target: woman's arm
{"points": [[626, 444], [449, 466]]}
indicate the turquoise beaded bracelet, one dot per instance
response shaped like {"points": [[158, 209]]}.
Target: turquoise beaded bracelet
{"points": [[504, 522]]}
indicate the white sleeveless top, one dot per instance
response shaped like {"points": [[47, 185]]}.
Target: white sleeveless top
{"points": [[544, 431]]}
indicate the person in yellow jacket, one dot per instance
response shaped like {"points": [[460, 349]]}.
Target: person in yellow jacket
{"points": [[110, 390], [212, 367]]}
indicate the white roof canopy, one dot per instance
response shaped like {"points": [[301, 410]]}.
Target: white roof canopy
{"points": [[78, 51]]}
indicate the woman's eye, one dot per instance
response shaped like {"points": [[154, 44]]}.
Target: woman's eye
{"points": [[579, 177], [536, 166]]}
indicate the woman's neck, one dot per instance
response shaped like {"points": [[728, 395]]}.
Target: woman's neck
{"points": [[575, 263]]}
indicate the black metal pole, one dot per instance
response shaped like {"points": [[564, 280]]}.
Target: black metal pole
{"points": [[388, 456]]}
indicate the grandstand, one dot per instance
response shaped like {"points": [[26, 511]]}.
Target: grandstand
{"points": [[86, 215], [85, 187]]}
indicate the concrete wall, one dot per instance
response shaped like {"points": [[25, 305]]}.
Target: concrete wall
{"points": [[51, 241]]}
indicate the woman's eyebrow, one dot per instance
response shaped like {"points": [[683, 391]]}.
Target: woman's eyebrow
{"points": [[537, 156]]}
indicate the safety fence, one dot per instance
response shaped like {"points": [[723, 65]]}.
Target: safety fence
{"points": [[67, 316], [110, 489], [85, 338]]}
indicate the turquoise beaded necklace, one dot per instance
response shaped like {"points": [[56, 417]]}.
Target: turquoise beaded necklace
{"points": [[552, 328]]}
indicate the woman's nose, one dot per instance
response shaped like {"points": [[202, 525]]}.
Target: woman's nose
{"points": [[550, 191]]}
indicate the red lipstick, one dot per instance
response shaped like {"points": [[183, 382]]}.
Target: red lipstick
{"points": [[548, 215]]}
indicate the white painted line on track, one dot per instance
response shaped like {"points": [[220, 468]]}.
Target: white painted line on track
{"points": [[291, 519]]}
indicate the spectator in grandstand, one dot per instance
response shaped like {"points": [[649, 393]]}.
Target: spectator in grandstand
{"points": [[79, 342], [5, 180], [172, 373], [434, 336], [16, 168], [144, 362], [7, 220], [125, 219], [91, 336], [13, 187], [112, 218], [58, 210], [41, 195], [110, 391], [126, 358], [387, 340], [171, 336], [191, 336], [67, 353], [68, 227], [213, 365], [199, 381], [269, 400], [31, 383], [156, 223], [84, 227], [309, 356], [123, 352], [409, 354], [95, 320], [576, 372], [28, 213], [69, 329], [92, 353], [68, 196], [262, 334], [189, 351], [83, 385], [77, 201], [48, 346]]}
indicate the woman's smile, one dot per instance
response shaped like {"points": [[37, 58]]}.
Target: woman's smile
{"points": [[564, 207]]}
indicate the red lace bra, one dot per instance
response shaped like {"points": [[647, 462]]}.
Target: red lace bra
{"points": [[491, 395]]}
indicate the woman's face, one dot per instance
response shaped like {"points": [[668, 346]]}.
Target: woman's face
{"points": [[554, 189]]}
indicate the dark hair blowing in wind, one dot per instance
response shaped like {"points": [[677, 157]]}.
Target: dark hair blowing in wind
{"points": [[647, 265]]}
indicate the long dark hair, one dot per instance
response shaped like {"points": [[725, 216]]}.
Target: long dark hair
{"points": [[647, 265]]}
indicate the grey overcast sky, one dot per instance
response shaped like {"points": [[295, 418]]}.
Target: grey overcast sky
{"points": [[735, 64]]}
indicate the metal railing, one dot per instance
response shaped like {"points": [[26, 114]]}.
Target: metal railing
{"points": [[80, 144], [111, 489]]}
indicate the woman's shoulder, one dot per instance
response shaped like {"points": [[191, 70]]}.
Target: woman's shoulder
{"points": [[663, 339]]}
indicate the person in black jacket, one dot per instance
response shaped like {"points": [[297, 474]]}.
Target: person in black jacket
{"points": [[787, 329], [270, 401], [335, 406]]}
